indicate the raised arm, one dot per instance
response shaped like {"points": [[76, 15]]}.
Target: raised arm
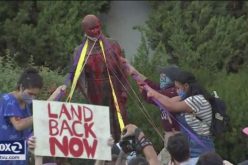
{"points": [[173, 104], [60, 90], [146, 145]]}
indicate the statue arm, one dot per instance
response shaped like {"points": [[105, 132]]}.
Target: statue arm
{"points": [[123, 72]]}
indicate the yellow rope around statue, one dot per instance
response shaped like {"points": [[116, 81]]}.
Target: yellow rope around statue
{"points": [[120, 120], [79, 69]]}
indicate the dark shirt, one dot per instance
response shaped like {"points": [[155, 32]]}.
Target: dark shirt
{"points": [[169, 92]]}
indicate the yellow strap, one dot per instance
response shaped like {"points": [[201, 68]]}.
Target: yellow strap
{"points": [[120, 120], [78, 71]]}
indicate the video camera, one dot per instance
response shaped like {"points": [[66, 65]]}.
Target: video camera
{"points": [[128, 144]]}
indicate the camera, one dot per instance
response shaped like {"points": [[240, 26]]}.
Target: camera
{"points": [[128, 144]]}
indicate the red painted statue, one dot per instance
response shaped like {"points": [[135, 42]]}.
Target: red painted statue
{"points": [[94, 80]]}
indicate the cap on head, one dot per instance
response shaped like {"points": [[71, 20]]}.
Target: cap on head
{"points": [[170, 71]]}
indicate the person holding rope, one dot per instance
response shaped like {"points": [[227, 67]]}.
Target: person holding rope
{"points": [[98, 74], [166, 87], [194, 103]]}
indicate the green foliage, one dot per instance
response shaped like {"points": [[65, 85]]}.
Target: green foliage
{"points": [[198, 34], [137, 108], [234, 91], [10, 73], [146, 57], [46, 31], [51, 81]]}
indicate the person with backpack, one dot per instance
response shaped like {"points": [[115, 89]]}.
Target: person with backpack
{"points": [[193, 103], [165, 87]]}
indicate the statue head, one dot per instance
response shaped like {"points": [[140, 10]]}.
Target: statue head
{"points": [[91, 25]]}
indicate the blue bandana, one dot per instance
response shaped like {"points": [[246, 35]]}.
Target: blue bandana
{"points": [[164, 81]]}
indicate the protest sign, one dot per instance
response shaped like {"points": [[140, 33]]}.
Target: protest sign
{"points": [[71, 130]]}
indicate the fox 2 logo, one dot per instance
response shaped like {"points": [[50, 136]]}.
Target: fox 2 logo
{"points": [[12, 147]]}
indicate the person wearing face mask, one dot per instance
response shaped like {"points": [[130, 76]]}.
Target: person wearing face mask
{"points": [[15, 111], [166, 87], [97, 71], [194, 103]]}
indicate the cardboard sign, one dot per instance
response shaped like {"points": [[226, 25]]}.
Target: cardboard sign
{"points": [[71, 130]]}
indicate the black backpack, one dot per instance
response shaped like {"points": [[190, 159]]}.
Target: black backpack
{"points": [[220, 119]]}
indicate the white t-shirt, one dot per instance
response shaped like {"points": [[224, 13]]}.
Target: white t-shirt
{"points": [[203, 110]]}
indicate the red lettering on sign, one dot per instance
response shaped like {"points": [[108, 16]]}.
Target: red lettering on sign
{"points": [[77, 113], [49, 112], [74, 146], [89, 112], [53, 127], [65, 126], [79, 149], [74, 130], [90, 150], [79, 137], [88, 130], [63, 147], [65, 112]]}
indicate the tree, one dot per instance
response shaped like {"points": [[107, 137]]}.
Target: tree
{"points": [[45, 31], [199, 34]]}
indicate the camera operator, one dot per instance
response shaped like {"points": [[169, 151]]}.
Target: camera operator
{"points": [[134, 140]]}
